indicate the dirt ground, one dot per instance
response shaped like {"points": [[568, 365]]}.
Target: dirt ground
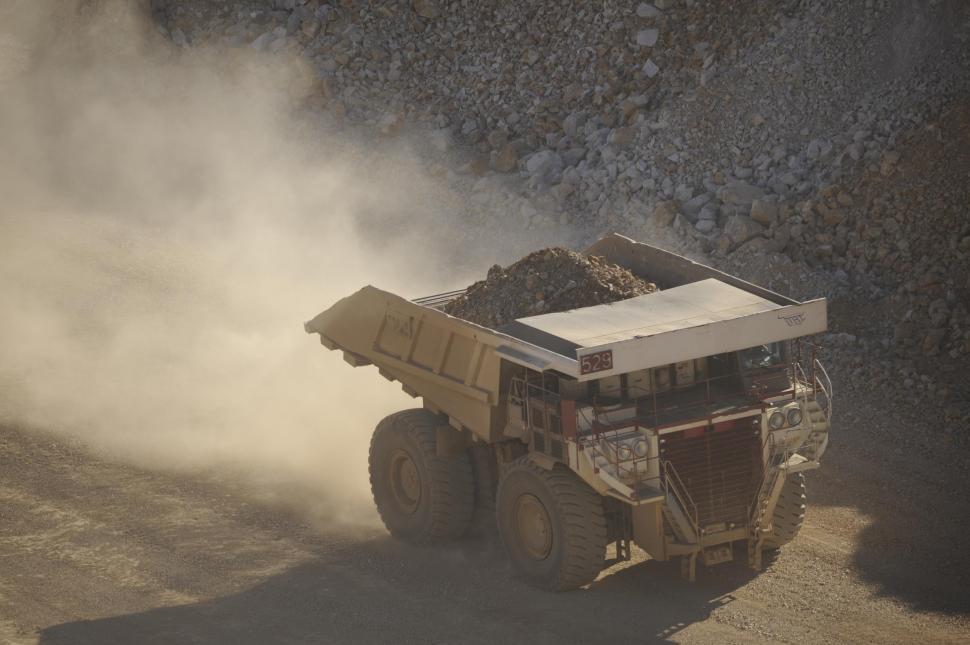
{"points": [[95, 551]]}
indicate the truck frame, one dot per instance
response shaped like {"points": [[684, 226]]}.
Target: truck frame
{"points": [[681, 421]]}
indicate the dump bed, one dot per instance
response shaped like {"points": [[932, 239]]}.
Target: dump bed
{"points": [[456, 365]]}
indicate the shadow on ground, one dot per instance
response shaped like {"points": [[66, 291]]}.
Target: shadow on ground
{"points": [[887, 464], [380, 591], [914, 549]]}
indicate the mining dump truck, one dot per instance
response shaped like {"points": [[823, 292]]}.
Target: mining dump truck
{"points": [[681, 421]]}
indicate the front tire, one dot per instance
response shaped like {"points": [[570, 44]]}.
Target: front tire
{"points": [[422, 498], [789, 513], [552, 525]]}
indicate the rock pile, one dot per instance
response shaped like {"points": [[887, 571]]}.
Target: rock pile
{"points": [[832, 134], [680, 113], [546, 281]]}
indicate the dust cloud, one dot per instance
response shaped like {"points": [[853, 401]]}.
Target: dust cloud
{"points": [[169, 218]]}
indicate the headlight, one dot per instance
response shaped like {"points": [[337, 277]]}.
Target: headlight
{"points": [[640, 448], [624, 452], [776, 420], [794, 416]]}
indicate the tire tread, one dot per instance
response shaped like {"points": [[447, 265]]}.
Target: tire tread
{"points": [[789, 512], [451, 477], [584, 524]]}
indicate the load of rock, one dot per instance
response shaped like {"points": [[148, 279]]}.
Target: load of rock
{"points": [[546, 281]]}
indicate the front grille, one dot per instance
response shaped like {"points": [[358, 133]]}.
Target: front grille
{"points": [[720, 470]]}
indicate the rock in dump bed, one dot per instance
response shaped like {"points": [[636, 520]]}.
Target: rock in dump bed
{"points": [[545, 281]]}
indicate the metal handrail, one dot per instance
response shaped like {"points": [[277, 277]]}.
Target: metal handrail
{"points": [[824, 384], [439, 299], [673, 484], [769, 477], [651, 419], [640, 469], [819, 381]]}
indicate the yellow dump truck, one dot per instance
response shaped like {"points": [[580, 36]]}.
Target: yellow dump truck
{"points": [[681, 421]]}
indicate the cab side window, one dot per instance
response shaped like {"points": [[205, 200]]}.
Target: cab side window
{"points": [[760, 356], [721, 365]]}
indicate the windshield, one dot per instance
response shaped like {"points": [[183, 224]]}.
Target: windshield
{"points": [[761, 356]]}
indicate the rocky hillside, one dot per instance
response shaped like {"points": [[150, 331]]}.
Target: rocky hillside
{"points": [[819, 138]]}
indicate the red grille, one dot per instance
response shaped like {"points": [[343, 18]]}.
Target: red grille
{"points": [[719, 469]]}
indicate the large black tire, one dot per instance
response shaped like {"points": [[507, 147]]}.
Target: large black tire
{"points": [[552, 525], [421, 497], [789, 513]]}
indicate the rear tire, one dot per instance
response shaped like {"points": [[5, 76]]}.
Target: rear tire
{"points": [[422, 498], [552, 525], [789, 513]]}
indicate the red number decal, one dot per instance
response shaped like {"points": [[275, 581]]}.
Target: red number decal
{"points": [[597, 362]]}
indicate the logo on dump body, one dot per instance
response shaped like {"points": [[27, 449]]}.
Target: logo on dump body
{"points": [[793, 319], [400, 323]]}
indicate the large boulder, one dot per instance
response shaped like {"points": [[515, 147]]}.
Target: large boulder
{"points": [[665, 212], [545, 166], [764, 211], [740, 193], [742, 228], [506, 159]]}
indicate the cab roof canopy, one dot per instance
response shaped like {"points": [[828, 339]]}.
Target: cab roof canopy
{"points": [[681, 323]]}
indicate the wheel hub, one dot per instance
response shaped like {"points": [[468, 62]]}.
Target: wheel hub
{"points": [[405, 480], [533, 527]]}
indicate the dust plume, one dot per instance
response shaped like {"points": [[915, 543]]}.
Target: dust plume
{"points": [[169, 219]]}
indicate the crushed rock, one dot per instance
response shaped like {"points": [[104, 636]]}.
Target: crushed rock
{"points": [[546, 281]]}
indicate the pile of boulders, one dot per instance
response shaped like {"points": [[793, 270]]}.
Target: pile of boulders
{"points": [[545, 281], [806, 131], [673, 114]]}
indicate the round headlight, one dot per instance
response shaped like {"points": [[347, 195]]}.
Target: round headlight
{"points": [[624, 452], [794, 416], [640, 448], [776, 420]]}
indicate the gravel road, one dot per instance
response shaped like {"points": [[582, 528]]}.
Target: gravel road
{"points": [[96, 551]]}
